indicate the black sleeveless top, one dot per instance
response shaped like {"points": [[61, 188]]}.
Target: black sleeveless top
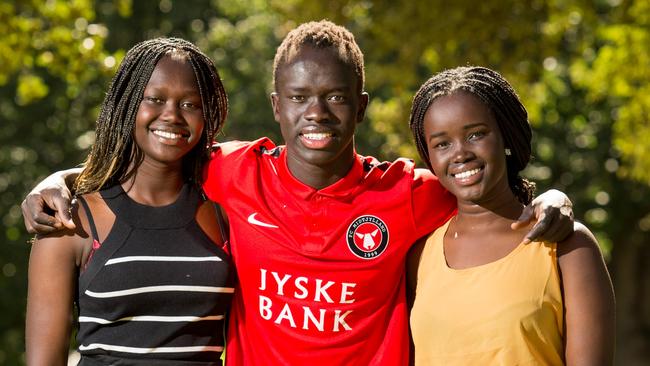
{"points": [[156, 290]]}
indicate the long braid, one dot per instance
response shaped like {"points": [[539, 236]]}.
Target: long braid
{"points": [[501, 99], [115, 157], [213, 95]]}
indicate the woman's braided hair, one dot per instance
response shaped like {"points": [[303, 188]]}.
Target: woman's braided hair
{"points": [[114, 157], [499, 96]]}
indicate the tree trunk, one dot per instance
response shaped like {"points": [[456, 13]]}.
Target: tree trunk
{"points": [[630, 269]]}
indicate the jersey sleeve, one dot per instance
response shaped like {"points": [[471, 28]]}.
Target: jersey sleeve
{"points": [[432, 204], [226, 159], [213, 180]]}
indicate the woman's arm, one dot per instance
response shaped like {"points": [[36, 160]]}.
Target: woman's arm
{"points": [[588, 300], [52, 278]]}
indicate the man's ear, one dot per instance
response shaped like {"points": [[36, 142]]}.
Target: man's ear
{"points": [[275, 106], [364, 98]]}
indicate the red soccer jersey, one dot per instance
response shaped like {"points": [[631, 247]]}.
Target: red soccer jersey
{"points": [[321, 272]]}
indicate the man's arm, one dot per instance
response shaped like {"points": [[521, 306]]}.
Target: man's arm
{"points": [[552, 210], [46, 208]]}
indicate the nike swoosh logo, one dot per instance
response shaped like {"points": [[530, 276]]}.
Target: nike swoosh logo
{"points": [[254, 221]]}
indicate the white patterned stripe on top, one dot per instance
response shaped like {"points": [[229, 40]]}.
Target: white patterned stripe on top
{"points": [[151, 318], [143, 290], [144, 258], [110, 347]]}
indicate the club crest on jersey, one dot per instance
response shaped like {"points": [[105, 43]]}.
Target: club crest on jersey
{"points": [[367, 237]]}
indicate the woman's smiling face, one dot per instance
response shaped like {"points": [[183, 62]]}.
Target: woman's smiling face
{"points": [[466, 148], [169, 122]]}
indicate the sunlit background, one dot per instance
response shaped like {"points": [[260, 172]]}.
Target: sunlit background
{"points": [[582, 68]]}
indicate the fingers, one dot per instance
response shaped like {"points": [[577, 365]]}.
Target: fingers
{"points": [[62, 207], [554, 215], [524, 219], [558, 224], [551, 234], [541, 226], [558, 235], [50, 195], [42, 223], [35, 219], [28, 223], [562, 225], [48, 226], [58, 200], [552, 226]]}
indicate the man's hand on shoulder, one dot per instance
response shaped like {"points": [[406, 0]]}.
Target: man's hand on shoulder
{"points": [[46, 208], [553, 211]]}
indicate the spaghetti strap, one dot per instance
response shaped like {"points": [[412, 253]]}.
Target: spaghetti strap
{"points": [[222, 223], [91, 221]]}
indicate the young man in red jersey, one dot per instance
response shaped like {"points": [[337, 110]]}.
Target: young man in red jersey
{"points": [[319, 234]]}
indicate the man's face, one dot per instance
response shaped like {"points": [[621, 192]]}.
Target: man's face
{"points": [[318, 104]]}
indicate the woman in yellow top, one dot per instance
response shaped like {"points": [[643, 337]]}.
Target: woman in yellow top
{"points": [[480, 294]]}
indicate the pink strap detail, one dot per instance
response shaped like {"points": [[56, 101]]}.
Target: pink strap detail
{"points": [[96, 245], [226, 247]]}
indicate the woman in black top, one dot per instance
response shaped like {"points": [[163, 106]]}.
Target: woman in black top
{"points": [[147, 265]]}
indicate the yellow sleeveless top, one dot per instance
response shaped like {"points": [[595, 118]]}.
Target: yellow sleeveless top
{"points": [[507, 312]]}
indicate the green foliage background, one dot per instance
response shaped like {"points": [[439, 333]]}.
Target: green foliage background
{"points": [[582, 68]]}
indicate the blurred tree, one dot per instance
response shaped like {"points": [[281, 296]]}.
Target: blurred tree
{"points": [[242, 42], [51, 57], [581, 66]]}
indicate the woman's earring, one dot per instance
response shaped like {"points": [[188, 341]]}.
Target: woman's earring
{"points": [[508, 152]]}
